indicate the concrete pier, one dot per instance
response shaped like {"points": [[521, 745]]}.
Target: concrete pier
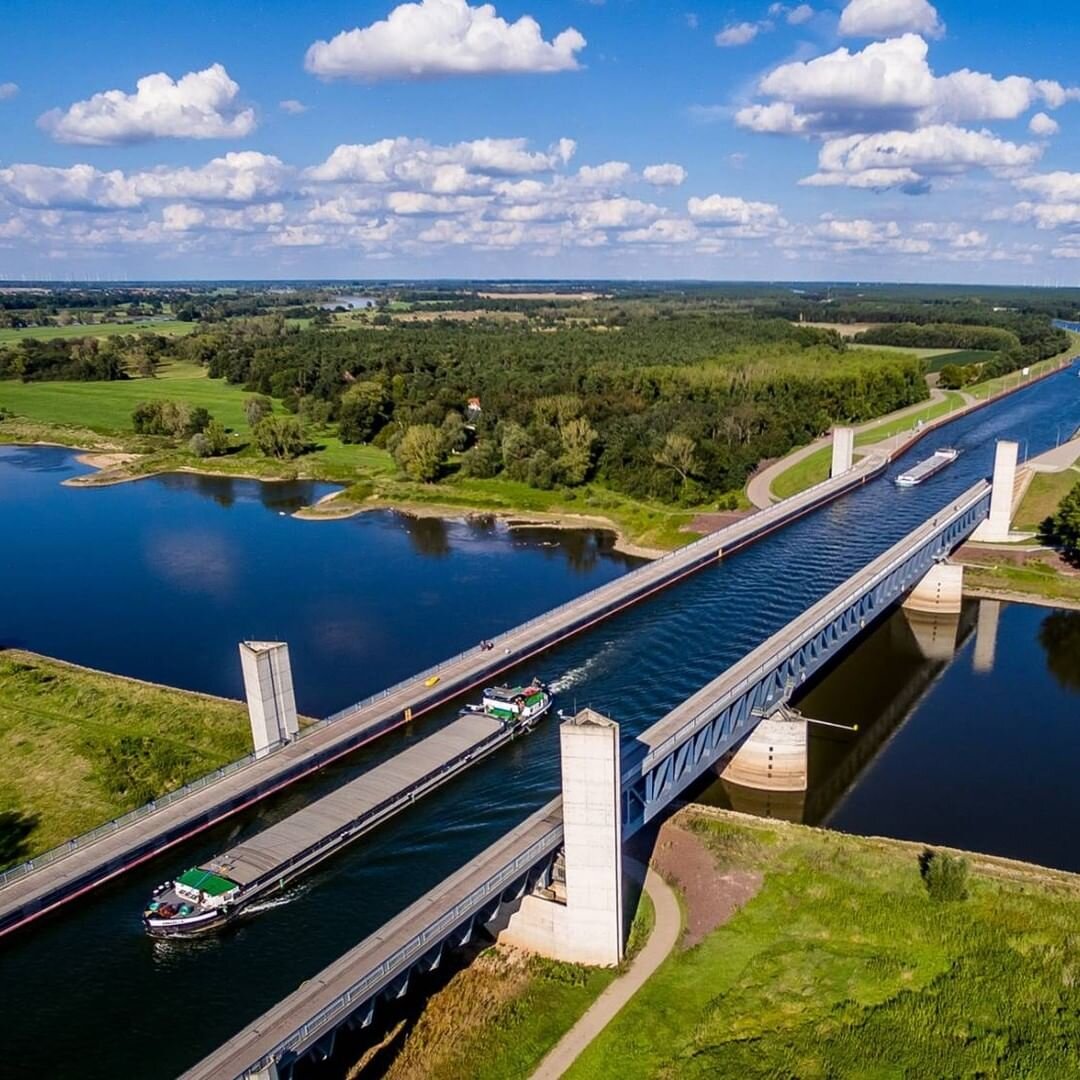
{"points": [[996, 527], [939, 593], [268, 687], [773, 756], [843, 450], [586, 926]]}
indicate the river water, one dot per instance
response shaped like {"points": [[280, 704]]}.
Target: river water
{"points": [[361, 605]]}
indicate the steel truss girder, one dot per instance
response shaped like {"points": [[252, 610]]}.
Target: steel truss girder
{"points": [[658, 778]]}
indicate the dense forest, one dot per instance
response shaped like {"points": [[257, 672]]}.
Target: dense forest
{"points": [[677, 407], [1018, 339], [675, 393]]}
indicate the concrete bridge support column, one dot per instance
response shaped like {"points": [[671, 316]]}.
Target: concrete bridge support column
{"points": [[588, 926], [995, 529], [268, 686], [939, 593], [843, 450], [773, 756]]}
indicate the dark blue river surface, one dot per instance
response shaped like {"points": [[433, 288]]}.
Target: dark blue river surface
{"points": [[361, 603]]}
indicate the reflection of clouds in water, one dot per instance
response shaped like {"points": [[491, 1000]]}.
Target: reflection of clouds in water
{"points": [[197, 560]]}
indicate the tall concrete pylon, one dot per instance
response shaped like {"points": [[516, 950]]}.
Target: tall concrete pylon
{"points": [[268, 687], [843, 450], [995, 529], [583, 924]]}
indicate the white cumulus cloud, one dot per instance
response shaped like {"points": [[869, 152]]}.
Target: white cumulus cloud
{"points": [[666, 175], [237, 177], [888, 85], [737, 34], [730, 210], [79, 187], [8, 90], [292, 106], [1043, 125], [436, 38], [199, 105], [448, 170], [884, 18], [907, 159]]}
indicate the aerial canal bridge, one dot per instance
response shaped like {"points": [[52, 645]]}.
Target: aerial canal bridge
{"points": [[577, 913], [283, 754]]}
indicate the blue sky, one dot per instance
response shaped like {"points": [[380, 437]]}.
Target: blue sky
{"points": [[874, 139]]}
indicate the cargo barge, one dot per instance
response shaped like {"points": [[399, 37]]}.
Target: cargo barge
{"points": [[207, 897], [927, 467]]}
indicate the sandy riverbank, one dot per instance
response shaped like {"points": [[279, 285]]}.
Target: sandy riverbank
{"points": [[980, 593]]}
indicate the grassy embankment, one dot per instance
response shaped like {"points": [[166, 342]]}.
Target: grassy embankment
{"points": [[841, 966], [97, 415], [1038, 577], [81, 747], [815, 467], [500, 1016]]}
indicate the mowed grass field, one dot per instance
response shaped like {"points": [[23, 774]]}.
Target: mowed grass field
{"points": [[167, 328], [106, 406], [922, 354], [843, 966], [815, 468], [1044, 493], [81, 747]]}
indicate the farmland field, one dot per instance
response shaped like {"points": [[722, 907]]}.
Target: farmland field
{"points": [[168, 328]]}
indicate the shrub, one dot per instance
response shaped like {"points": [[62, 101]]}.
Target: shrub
{"points": [[945, 876], [175, 418], [217, 438], [280, 436], [199, 445], [1063, 527], [256, 409], [421, 453], [483, 461]]}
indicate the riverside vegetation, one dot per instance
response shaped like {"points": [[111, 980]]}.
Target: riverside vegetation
{"points": [[641, 403], [857, 957], [82, 747]]}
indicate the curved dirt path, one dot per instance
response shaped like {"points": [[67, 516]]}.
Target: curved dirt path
{"points": [[665, 934]]}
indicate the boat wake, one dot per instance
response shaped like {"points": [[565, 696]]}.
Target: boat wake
{"points": [[580, 674], [280, 900]]}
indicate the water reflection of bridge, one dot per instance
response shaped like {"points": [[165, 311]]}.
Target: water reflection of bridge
{"points": [[877, 685]]}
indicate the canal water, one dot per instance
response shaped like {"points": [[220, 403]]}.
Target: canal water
{"points": [[92, 970]]}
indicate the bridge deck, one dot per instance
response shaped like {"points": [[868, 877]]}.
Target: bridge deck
{"points": [[318, 1005], [25, 897], [680, 721], [280, 844]]}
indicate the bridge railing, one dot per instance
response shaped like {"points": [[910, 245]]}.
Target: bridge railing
{"points": [[963, 505], [777, 510], [400, 961], [61, 851]]}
